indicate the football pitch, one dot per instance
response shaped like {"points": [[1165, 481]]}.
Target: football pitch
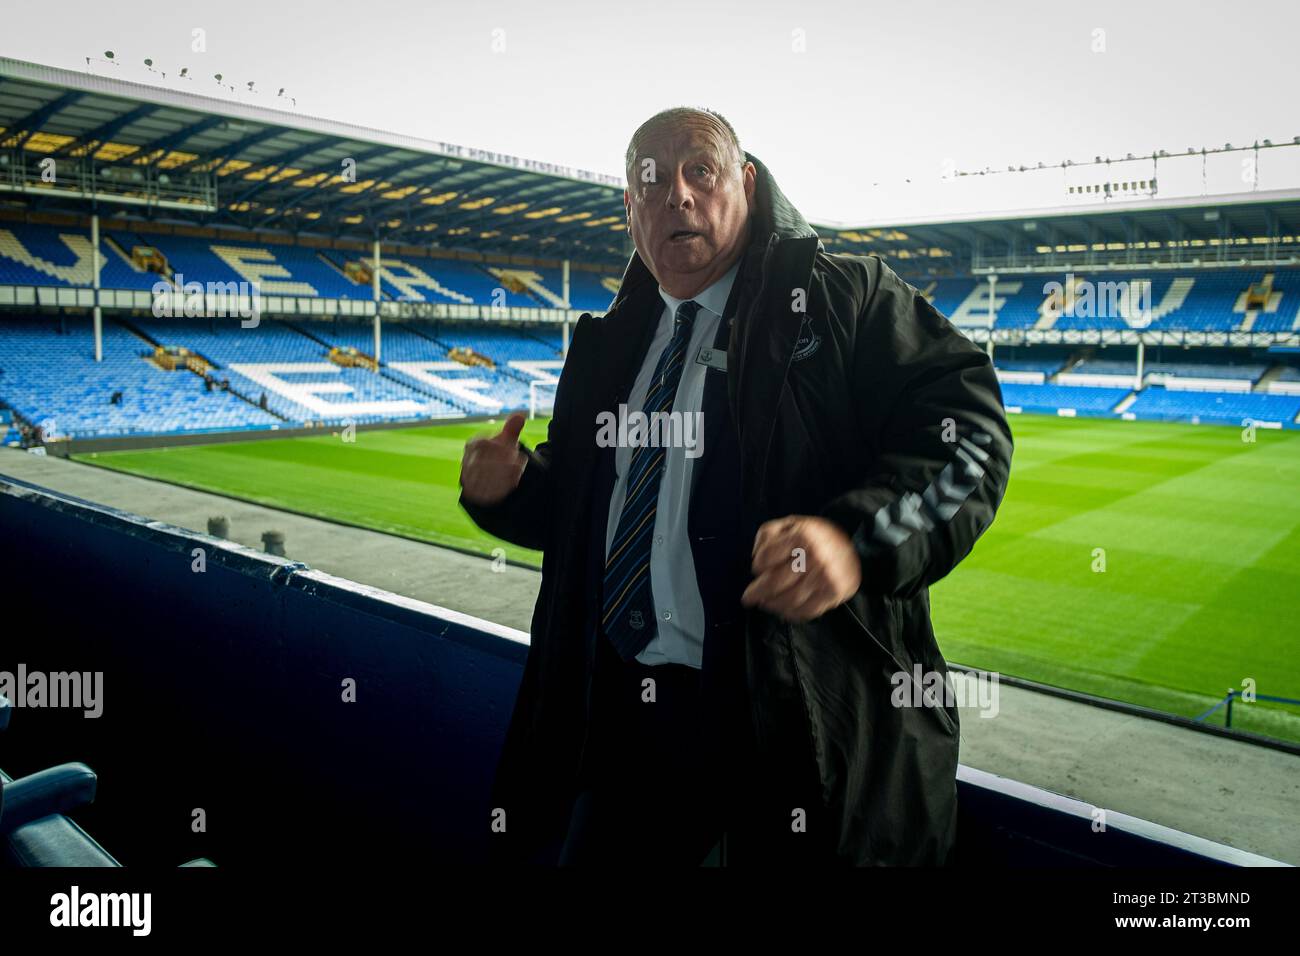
{"points": [[1152, 563]]}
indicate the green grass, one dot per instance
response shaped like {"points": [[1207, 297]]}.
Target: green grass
{"points": [[1200, 533], [1201, 590], [402, 481]]}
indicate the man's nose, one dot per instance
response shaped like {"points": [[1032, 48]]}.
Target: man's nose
{"points": [[679, 193]]}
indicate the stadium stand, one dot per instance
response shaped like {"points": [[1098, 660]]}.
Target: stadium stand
{"points": [[1228, 408], [46, 373], [1052, 399], [1249, 373], [1187, 300], [1047, 366], [60, 256], [9, 433], [1091, 366], [50, 376], [292, 369]]}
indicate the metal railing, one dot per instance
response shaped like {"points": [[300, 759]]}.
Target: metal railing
{"points": [[1226, 704], [1227, 256], [126, 184]]}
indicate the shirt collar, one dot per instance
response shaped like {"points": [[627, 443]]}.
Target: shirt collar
{"points": [[714, 298]]}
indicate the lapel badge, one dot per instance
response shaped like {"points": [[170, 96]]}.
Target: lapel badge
{"points": [[807, 342]]}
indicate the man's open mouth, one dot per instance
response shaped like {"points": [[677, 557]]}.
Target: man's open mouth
{"points": [[681, 235]]}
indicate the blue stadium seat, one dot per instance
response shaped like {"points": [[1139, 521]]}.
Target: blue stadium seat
{"points": [[1228, 408], [1209, 303], [1050, 399], [50, 376]]}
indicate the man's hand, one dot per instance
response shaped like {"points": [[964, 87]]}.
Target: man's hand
{"points": [[491, 467], [803, 566]]}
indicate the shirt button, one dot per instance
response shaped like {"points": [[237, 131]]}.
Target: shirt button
{"points": [[668, 615], [659, 539]]}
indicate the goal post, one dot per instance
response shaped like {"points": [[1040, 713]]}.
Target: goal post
{"points": [[541, 396]]}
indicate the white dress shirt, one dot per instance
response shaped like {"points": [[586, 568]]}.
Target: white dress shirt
{"points": [[679, 610]]}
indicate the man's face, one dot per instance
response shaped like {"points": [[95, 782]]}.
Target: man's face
{"points": [[688, 210]]}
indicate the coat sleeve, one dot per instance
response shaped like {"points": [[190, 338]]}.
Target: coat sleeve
{"points": [[931, 406], [523, 517]]}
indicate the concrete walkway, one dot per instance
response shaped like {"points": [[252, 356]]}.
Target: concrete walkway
{"points": [[1235, 793]]}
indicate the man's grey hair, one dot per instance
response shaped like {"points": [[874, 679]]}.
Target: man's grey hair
{"points": [[670, 117]]}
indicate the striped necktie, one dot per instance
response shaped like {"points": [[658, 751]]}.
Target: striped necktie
{"points": [[628, 614]]}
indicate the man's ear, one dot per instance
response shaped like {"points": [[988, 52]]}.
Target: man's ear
{"points": [[750, 176]]}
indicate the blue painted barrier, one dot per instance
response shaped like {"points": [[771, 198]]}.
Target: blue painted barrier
{"points": [[224, 699]]}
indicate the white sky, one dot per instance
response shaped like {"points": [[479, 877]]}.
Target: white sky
{"points": [[883, 92]]}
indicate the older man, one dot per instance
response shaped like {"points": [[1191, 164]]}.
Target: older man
{"points": [[722, 627]]}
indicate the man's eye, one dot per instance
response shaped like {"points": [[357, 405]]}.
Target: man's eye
{"points": [[701, 169]]}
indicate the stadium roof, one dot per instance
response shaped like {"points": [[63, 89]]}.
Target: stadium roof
{"points": [[1230, 220], [270, 170], [172, 156], [278, 170]]}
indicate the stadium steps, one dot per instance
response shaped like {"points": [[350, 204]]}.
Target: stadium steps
{"points": [[501, 367], [514, 373], [336, 267], [537, 338], [420, 386], [303, 332], [145, 336], [425, 335], [111, 241], [1269, 377], [123, 242], [1252, 305], [428, 392], [249, 400], [525, 291], [1125, 402], [1072, 363], [140, 333], [406, 383], [1179, 289], [16, 418], [329, 257]]}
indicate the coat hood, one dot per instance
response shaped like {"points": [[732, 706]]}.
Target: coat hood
{"points": [[773, 216]]}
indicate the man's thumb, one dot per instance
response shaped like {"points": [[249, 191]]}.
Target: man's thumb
{"points": [[513, 426]]}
